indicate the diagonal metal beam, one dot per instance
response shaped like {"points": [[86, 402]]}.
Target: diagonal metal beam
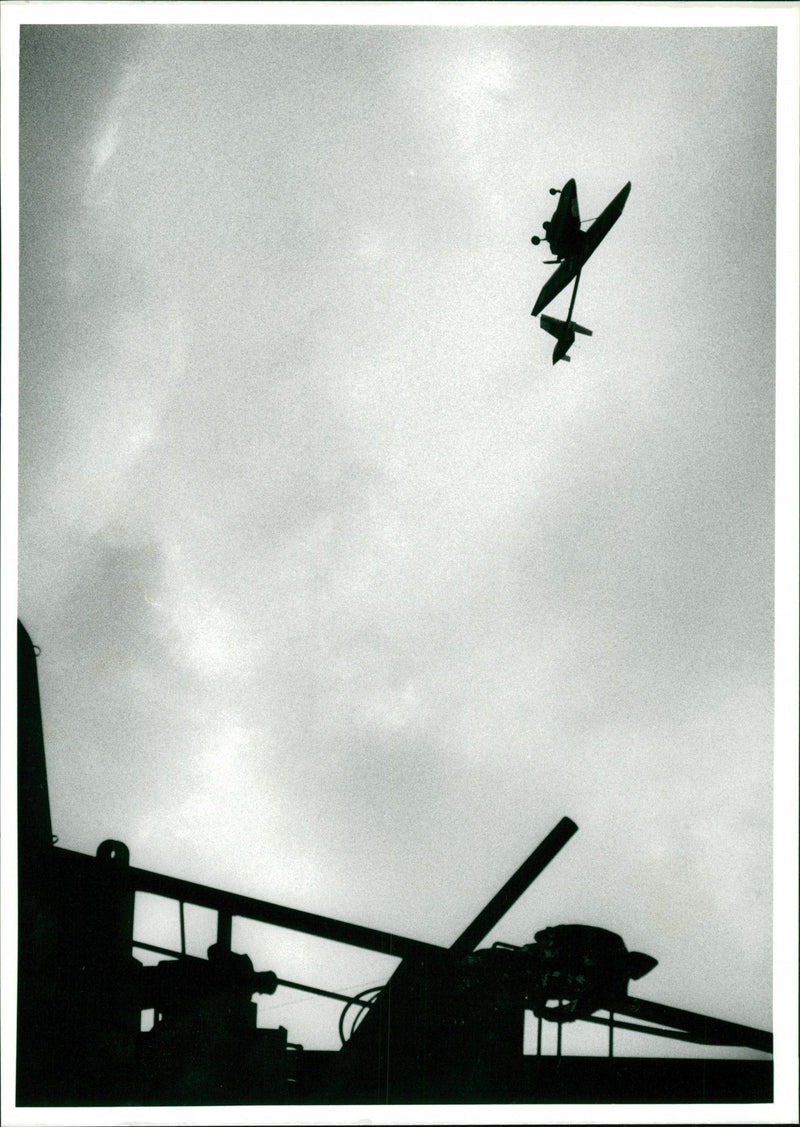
{"points": [[511, 891], [652, 1030], [231, 904], [699, 1027]]}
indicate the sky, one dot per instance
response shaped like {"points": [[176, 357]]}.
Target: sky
{"points": [[345, 594]]}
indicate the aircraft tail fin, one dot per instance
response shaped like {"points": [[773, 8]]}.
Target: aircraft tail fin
{"points": [[564, 332], [560, 329]]}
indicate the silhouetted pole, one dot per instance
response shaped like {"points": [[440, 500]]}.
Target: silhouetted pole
{"points": [[574, 295], [33, 824], [224, 930], [511, 891]]}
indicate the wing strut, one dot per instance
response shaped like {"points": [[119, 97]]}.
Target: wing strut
{"points": [[574, 295]]}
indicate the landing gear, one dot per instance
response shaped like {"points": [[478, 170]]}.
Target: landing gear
{"points": [[555, 191], [535, 240]]}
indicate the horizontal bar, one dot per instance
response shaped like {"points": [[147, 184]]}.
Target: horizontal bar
{"points": [[281, 981], [323, 993]]}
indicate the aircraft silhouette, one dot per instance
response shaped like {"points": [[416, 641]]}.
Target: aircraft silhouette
{"points": [[572, 248], [564, 332]]}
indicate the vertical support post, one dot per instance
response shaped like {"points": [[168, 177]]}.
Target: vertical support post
{"points": [[224, 930], [183, 927], [610, 1033], [558, 1036], [538, 1036]]}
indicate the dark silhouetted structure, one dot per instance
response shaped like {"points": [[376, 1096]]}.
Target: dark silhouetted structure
{"points": [[572, 248], [447, 1027]]}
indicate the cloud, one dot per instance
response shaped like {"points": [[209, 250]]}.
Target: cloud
{"points": [[345, 595]]}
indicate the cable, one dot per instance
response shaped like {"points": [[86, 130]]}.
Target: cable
{"points": [[365, 1005]]}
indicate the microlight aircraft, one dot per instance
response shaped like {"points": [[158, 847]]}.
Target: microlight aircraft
{"points": [[572, 247]]}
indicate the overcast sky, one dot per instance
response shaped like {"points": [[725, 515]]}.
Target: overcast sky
{"points": [[345, 594]]}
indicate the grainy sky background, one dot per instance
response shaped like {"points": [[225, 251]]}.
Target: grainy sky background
{"points": [[345, 595]]}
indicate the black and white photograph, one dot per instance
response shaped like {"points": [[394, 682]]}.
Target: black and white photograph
{"points": [[399, 408]]}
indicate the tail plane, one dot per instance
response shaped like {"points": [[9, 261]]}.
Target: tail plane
{"points": [[564, 332]]}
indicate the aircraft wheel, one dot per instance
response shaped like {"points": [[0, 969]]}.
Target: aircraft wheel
{"points": [[535, 240]]}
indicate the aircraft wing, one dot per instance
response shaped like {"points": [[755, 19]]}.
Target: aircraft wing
{"points": [[604, 222], [557, 281]]}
